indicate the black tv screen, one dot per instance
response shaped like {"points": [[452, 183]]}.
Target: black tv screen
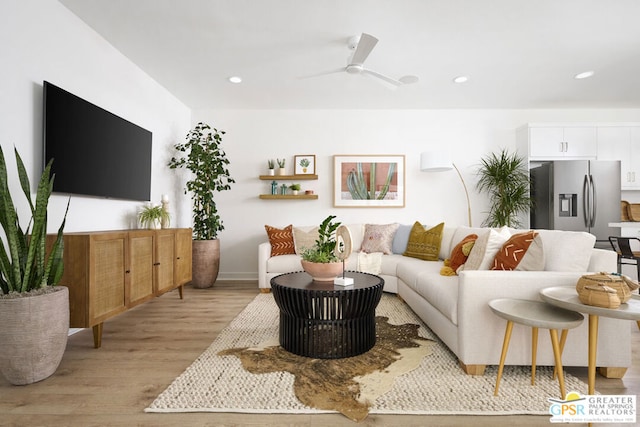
{"points": [[95, 152]]}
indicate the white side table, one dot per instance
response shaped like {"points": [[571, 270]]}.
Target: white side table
{"points": [[536, 314]]}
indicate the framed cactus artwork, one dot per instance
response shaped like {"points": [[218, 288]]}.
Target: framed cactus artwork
{"points": [[305, 164], [368, 181]]}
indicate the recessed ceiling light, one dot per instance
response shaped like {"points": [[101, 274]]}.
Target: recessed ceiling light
{"points": [[461, 79], [584, 75], [235, 79]]}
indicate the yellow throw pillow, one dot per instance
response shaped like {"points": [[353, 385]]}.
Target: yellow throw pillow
{"points": [[459, 255], [424, 244]]}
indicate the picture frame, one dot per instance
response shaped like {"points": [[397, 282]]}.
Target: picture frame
{"points": [[304, 164], [352, 180]]}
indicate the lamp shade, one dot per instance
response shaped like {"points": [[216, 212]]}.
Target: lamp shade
{"points": [[435, 161]]}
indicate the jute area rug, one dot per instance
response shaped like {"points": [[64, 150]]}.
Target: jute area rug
{"points": [[422, 377]]}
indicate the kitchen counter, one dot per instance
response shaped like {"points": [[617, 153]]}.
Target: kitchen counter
{"points": [[625, 224]]}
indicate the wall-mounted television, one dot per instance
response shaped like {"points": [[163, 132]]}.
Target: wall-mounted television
{"points": [[95, 152]]}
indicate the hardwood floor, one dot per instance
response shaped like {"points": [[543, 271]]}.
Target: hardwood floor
{"points": [[144, 349]]}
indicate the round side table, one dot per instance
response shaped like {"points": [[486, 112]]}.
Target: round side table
{"points": [[536, 314]]}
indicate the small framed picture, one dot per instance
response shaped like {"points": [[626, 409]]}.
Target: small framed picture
{"points": [[305, 164]]}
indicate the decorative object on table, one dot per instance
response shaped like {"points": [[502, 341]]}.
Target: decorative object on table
{"points": [[34, 312], [153, 216], [271, 164], [305, 164], [505, 178], [281, 169], [368, 181], [599, 295], [166, 219], [274, 187], [308, 192], [320, 260], [342, 251], [440, 161], [613, 281], [295, 188], [208, 162], [283, 189]]}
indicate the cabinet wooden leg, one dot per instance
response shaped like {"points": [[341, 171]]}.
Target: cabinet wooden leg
{"points": [[97, 335], [180, 288]]}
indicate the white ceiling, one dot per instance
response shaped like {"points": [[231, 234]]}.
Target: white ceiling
{"points": [[517, 53]]}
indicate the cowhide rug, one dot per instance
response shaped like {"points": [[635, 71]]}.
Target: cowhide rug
{"points": [[348, 385]]}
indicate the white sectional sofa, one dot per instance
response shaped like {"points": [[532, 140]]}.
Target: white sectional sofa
{"points": [[455, 307]]}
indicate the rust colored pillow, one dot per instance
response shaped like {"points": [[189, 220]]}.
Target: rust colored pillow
{"points": [[459, 254], [523, 251], [281, 240]]}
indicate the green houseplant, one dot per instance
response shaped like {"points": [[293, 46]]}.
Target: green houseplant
{"points": [[204, 157], [505, 178], [153, 216], [295, 188], [34, 313], [320, 260]]}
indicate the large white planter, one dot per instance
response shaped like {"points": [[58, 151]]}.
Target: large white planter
{"points": [[33, 335]]}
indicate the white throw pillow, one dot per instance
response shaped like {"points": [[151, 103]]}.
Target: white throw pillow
{"points": [[567, 250], [379, 238], [485, 249]]}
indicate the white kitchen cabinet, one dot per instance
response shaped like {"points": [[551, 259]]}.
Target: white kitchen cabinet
{"points": [[622, 143], [562, 143]]}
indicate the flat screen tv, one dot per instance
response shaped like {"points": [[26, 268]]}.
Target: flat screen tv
{"points": [[95, 152]]}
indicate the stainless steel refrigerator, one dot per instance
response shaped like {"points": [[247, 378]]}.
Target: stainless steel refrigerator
{"points": [[577, 195]]}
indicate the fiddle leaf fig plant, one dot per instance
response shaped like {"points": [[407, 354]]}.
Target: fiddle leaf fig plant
{"points": [[24, 264], [204, 157], [504, 176], [323, 249]]}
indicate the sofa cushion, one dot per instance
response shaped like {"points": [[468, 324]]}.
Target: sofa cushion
{"points": [[401, 239], [304, 238], [281, 240], [284, 264], [378, 238], [441, 292], [410, 269], [484, 250], [447, 242], [567, 250], [523, 252], [459, 255], [424, 244]]}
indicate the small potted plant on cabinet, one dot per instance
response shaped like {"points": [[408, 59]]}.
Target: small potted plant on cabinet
{"points": [[208, 163], [152, 217], [294, 189], [34, 312]]}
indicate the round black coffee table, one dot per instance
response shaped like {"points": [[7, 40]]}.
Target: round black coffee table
{"points": [[327, 321]]}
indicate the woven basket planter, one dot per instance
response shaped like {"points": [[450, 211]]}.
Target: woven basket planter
{"points": [[611, 280], [33, 335]]}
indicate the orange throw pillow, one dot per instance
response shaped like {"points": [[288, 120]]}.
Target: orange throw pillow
{"points": [[459, 255], [281, 240], [523, 251]]}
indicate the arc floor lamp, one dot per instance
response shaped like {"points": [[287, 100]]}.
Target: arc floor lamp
{"points": [[440, 161]]}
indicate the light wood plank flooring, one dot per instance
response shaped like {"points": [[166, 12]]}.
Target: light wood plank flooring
{"points": [[144, 349]]}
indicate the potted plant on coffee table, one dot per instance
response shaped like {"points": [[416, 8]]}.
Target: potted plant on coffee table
{"points": [[320, 260], [204, 157], [34, 312]]}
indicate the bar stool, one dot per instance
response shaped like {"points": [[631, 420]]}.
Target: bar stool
{"points": [[536, 314]]}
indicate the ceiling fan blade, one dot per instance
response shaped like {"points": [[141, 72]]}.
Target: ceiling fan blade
{"points": [[383, 77], [325, 73], [365, 46]]}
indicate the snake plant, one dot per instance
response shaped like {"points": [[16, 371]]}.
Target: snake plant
{"points": [[24, 264], [357, 183]]}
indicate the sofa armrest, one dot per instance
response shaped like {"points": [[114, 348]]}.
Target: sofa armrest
{"points": [[264, 253], [603, 260]]}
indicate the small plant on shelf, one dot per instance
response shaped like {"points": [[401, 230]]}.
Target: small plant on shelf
{"points": [[281, 163], [295, 187], [271, 164], [323, 249]]}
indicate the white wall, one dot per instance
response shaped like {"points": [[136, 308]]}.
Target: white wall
{"points": [[42, 40], [255, 136]]}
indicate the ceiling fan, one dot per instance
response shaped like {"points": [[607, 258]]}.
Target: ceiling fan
{"points": [[362, 46]]}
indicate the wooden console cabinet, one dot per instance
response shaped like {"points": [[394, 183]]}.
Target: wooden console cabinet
{"points": [[108, 272]]}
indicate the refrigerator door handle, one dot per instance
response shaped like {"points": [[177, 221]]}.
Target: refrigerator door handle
{"points": [[586, 205], [594, 201]]}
